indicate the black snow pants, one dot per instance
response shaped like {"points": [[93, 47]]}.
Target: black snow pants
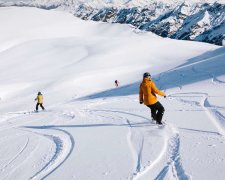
{"points": [[40, 105], [157, 111]]}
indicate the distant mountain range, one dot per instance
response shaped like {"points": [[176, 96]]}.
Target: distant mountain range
{"points": [[196, 20]]}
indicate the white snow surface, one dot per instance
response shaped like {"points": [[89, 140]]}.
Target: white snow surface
{"points": [[91, 129]]}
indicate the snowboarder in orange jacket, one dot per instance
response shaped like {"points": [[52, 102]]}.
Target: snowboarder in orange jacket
{"points": [[147, 94]]}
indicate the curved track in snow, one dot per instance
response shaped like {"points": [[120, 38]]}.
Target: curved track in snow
{"points": [[170, 147], [64, 145], [212, 111], [62, 140]]}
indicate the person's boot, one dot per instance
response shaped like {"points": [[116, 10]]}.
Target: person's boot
{"points": [[154, 120], [159, 122]]}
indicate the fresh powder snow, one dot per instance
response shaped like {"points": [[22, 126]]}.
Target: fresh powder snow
{"points": [[92, 130]]}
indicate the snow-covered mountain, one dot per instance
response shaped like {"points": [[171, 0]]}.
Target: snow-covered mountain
{"points": [[197, 20], [92, 130]]}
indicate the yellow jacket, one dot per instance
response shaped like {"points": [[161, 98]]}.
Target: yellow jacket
{"points": [[39, 98], [148, 91]]}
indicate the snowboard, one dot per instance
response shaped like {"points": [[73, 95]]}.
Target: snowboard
{"points": [[34, 111], [159, 125]]}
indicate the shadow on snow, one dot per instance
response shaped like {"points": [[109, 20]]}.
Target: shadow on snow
{"points": [[209, 65], [142, 124]]}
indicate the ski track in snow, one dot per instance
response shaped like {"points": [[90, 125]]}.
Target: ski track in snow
{"points": [[215, 116], [171, 149], [137, 154], [171, 146], [135, 150], [17, 155], [20, 158], [8, 119], [181, 72], [174, 163], [215, 79], [212, 111], [64, 145]]}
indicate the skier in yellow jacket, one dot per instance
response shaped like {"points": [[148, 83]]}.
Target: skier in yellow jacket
{"points": [[39, 100], [147, 94]]}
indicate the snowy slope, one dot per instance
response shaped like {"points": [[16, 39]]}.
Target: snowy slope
{"points": [[92, 130]]}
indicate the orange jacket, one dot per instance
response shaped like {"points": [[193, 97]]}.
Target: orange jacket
{"points": [[148, 91]]}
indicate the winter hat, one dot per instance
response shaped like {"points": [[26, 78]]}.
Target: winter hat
{"points": [[147, 74]]}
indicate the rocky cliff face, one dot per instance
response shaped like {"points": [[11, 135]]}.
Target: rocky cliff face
{"points": [[197, 22], [182, 20]]}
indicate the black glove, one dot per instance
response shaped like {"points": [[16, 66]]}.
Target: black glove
{"points": [[141, 102], [164, 96]]}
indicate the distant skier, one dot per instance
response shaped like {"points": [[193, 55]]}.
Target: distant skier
{"points": [[147, 94], [39, 100], [116, 83]]}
